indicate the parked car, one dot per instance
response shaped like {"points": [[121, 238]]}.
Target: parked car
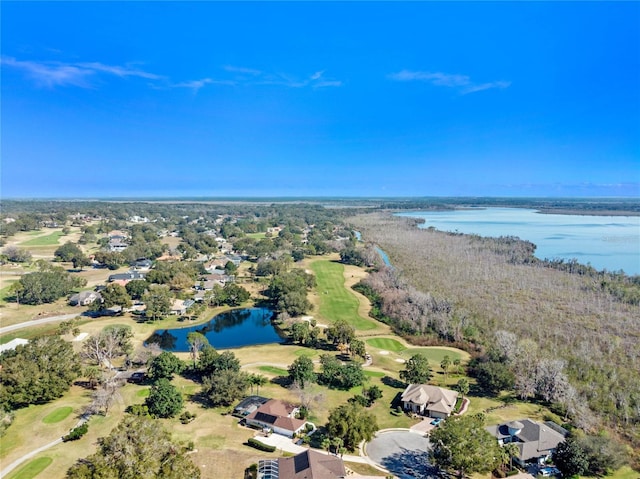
{"points": [[549, 471], [436, 421]]}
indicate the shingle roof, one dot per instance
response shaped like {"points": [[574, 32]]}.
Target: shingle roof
{"points": [[275, 413], [534, 439], [434, 398], [311, 465]]}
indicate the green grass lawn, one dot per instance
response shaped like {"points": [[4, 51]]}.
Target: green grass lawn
{"points": [[337, 302], [274, 370], [387, 344], [434, 354], [47, 240], [32, 469], [256, 235], [58, 415]]}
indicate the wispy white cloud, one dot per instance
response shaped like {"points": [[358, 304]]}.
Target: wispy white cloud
{"points": [[315, 80], [195, 85], [462, 83], [52, 74], [55, 73]]}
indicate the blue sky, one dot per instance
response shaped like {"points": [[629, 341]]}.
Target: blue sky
{"points": [[143, 99]]}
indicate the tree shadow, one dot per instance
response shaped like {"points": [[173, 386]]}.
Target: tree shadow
{"points": [[283, 381], [410, 464], [393, 382]]}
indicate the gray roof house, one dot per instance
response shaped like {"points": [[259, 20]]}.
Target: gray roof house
{"points": [[84, 298], [429, 400], [536, 441], [309, 464]]}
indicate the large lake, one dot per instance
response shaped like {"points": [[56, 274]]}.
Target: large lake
{"points": [[605, 242], [232, 329]]}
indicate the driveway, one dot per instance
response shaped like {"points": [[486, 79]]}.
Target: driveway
{"points": [[404, 453]]}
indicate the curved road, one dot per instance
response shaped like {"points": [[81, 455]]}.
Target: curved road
{"points": [[38, 322], [6, 470]]}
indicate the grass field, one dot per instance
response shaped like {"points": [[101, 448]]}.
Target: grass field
{"points": [[58, 415], [386, 344], [274, 370], [47, 240], [337, 302], [32, 469]]}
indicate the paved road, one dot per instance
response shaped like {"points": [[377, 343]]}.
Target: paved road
{"points": [[38, 322]]}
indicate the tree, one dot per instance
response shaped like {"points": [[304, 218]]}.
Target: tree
{"points": [[372, 394], [352, 424], [45, 286], [351, 256], [445, 363], [211, 362], [158, 302], [417, 370], [164, 366], [224, 388], [16, 255], [301, 371], [196, 341], [341, 332], [37, 372], [604, 454], [494, 376], [463, 387], [357, 348], [136, 288], [336, 375], [115, 295], [110, 343], [257, 380], [462, 445], [138, 447], [67, 252], [299, 332], [80, 261], [164, 399], [570, 458]]}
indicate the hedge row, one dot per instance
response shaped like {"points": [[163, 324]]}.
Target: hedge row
{"points": [[261, 446]]}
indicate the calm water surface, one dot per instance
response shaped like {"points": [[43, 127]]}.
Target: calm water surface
{"points": [[232, 329], [604, 242]]}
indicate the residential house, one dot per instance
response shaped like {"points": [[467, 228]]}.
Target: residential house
{"points": [[84, 298], [429, 400], [180, 306], [309, 464], [249, 405], [278, 416], [235, 259], [142, 264], [536, 441], [126, 277]]}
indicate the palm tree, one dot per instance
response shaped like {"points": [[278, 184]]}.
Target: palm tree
{"points": [[456, 363], [510, 450], [259, 380], [463, 387], [445, 363], [326, 444]]}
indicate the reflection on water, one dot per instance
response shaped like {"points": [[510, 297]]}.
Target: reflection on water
{"points": [[232, 329]]}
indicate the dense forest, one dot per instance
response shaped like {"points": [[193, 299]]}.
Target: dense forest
{"points": [[566, 338]]}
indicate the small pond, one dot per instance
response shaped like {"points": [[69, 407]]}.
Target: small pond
{"points": [[232, 329]]}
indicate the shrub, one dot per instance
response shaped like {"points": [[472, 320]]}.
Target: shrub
{"points": [[186, 417], [260, 446], [76, 433]]}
